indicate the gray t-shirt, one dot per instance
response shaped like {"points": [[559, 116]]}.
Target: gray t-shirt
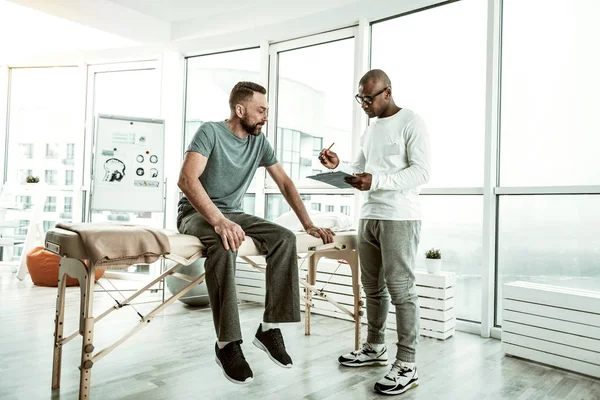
{"points": [[232, 162]]}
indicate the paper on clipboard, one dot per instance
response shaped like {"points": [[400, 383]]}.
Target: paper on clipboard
{"points": [[333, 178]]}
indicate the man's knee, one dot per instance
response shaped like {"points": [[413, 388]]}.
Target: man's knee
{"points": [[374, 289], [403, 292], [283, 236]]}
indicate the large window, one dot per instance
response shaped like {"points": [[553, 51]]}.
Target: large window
{"points": [[458, 234], [436, 59], [314, 105], [548, 207], [436, 62], [45, 114], [550, 86], [553, 239]]}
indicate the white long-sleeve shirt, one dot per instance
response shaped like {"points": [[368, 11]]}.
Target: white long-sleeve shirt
{"points": [[396, 152]]}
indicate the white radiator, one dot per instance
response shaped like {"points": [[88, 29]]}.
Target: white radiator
{"points": [[552, 325]]}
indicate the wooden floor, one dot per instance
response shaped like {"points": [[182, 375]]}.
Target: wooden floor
{"points": [[173, 358]]}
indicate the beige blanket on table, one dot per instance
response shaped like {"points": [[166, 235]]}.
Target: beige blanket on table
{"points": [[118, 246]]}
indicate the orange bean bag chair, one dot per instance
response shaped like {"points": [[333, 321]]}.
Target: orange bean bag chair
{"points": [[43, 268]]}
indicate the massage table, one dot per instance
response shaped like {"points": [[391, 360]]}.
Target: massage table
{"points": [[185, 249]]}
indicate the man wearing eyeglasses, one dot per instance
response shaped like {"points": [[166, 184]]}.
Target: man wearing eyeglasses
{"points": [[393, 162]]}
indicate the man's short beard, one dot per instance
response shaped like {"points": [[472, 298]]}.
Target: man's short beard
{"points": [[250, 129]]}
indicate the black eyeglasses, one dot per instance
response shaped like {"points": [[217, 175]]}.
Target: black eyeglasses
{"points": [[369, 99]]}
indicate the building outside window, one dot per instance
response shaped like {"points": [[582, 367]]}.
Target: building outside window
{"points": [[52, 150], [68, 207], [69, 174], [49, 225], [51, 176], [22, 174], [25, 201], [50, 205], [26, 150]]}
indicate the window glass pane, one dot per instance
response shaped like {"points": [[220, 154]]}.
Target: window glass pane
{"points": [[43, 119], [436, 62], [458, 234], [276, 204], [134, 93], [249, 203], [549, 239], [210, 80], [550, 83], [314, 105]]}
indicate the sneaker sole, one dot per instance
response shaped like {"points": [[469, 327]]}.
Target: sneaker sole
{"points": [[364, 363], [261, 346], [398, 391], [230, 379]]}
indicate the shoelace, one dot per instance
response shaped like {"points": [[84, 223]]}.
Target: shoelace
{"points": [[276, 337], [235, 355], [366, 348], [398, 369]]}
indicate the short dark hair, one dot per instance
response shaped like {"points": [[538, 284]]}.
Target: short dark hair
{"points": [[243, 91], [376, 75]]}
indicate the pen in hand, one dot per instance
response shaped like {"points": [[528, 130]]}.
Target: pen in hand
{"points": [[322, 155]]}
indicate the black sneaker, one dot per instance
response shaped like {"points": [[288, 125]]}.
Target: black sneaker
{"points": [[271, 342], [233, 363]]}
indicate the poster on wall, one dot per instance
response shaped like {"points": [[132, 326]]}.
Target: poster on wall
{"points": [[128, 166]]}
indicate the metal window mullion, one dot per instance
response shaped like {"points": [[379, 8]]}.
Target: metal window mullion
{"points": [[4, 101], [492, 118], [547, 190]]}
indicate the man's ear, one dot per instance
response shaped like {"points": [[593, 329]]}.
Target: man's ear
{"points": [[240, 110]]}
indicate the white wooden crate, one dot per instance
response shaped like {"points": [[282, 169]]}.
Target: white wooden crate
{"points": [[552, 325], [436, 303]]}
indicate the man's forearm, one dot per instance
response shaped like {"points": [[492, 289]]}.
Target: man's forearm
{"points": [[199, 199], [409, 178], [292, 197]]}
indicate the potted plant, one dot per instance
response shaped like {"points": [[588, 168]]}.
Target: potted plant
{"points": [[433, 261], [32, 179]]}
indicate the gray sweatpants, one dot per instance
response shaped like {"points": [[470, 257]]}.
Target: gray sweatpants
{"points": [[387, 252], [282, 301]]}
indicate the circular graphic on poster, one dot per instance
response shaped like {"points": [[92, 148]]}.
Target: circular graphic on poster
{"points": [[140, 158], [153, 159], [153, 173], [114, 170], [139, 171]]}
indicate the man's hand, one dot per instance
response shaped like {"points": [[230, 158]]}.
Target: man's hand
{"points": [[329, 159], [231, 234], [324, 233], [360, 181]]}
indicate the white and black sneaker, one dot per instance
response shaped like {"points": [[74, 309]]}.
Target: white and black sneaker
{"points": [[364, 356], [400, 379]]}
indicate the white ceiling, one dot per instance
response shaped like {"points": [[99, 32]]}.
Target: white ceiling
{"points": [[36, 27], [24, 31], [181, 10]]}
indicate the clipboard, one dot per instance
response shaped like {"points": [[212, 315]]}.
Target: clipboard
{"points": [[333, 178]]}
